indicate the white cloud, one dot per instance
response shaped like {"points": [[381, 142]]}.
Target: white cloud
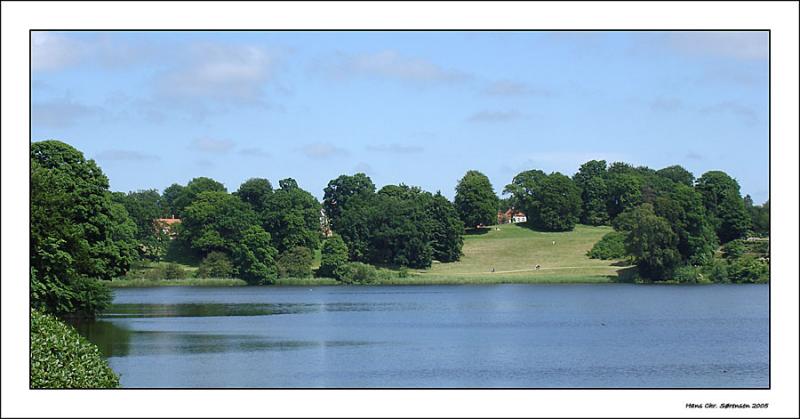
{"points": [[389, 64], [125, 155], [211, 145], [514, 88], [731, 44], [61, 113], [744, 113], [322, 150], [254, 152], [51, 51], [395, 148], [495, 116]]}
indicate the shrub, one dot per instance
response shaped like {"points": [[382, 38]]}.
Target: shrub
{"points": [[356, 273], [611, 246], [403, 272], [61, 358], [295, 263], [688, 275], [334, 258], [215, 265], [174, 271], [734, 249], [748, 269], [717, 271]]}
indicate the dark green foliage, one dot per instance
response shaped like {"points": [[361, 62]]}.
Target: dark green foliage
{"points": [[677, 174], [594, 192], [254, 257], [357, 273], [348, 204], [523, 189], [557, 204], [717, 271], [446, 229], [255, 191], [724, 204], [334, 256], [475, 200], [688, 275], [683, 208], [652, 244], [192, 191], [168, 198], [215, 265], [295, 263], [748, 269], [174, 271], [144, 207], [624, 192], [77, 231], [291, 216], [733, 249], [61, 358], [759, 216], [611, 246], [400, 228]]}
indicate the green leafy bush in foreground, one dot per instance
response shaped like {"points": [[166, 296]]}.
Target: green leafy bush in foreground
{"points": [[357, 273], [215, 265], [61, 358]]}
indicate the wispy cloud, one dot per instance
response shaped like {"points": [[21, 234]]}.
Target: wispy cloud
{"points": [[390, 64], [666, 104], [730, 44], [495, 116], [514, 88], [691, 155], [322, 150], [395, 148], [254, 152], [61, 113], [125, 155], [211, 145], [365, 168], [744, 113], [218, 72], [51, 51]]}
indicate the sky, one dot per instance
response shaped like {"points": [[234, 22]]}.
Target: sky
{"points": [[420, 108]]}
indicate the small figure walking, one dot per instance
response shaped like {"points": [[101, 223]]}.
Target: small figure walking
{"points": [[538, 266], [554, 242], [492, 269]]}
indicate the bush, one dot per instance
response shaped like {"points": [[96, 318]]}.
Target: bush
{"points": [[356, 273], [215, 265], [611, 246], [334, 258], [734, 249], [403, 272], [295, 263], [174, 271], [61, 358], [688, 275], [76, 297], [748, 269], [717, 271]]}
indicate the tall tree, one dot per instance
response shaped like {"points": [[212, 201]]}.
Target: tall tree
{"points": [[291, 216], [652, 243], [401, 227], [725, 205], [348, 204], [341, 190], [557, 204], [683, 209], [255, 191], [594, 192], [759, 216], [78, 234], [144, 207], [475, 200], [446, 229], [523, 189], [193, 189], [624, 191], [168, 198], [677, 174]]}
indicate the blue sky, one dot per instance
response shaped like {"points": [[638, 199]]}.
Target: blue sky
{"points": [[421, 108]]}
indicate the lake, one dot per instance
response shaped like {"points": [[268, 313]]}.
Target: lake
{"points": [[528, 336]]}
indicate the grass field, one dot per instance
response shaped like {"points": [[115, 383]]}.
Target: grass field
{"points": [[514, 251]]}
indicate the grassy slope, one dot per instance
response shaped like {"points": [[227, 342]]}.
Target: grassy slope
{"points": [[514, 251]]}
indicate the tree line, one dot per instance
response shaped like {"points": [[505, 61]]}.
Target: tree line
{"points": [[81, 232]]}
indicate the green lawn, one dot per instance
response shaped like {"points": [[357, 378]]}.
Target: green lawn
{"points": [[514, 251]]}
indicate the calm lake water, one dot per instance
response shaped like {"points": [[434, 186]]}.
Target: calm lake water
{"points": [[609, 335]]}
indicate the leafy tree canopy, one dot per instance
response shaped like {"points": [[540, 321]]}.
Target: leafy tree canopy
{"points": [[475, 200]]}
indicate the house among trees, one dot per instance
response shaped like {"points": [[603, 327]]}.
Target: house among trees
{"points": [[325, 224], [510, 216], [167, 225]]}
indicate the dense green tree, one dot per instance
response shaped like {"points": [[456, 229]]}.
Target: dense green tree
{"points": [[192, 190], [475, 200], [216, 265], [624, 190], [215, 222], [401, 228], [168, 198], [594, 192], [557, 204], [652, 243], [759, 216], [291, 216], [78, 234], [254, 257], [334, 257], [144, 207], [611, 246], [724, 204], [348, 203], [295, 263], [343, 189], [683, 209], [447, 229], [677, 174], [255, 191], [523, 188]]}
